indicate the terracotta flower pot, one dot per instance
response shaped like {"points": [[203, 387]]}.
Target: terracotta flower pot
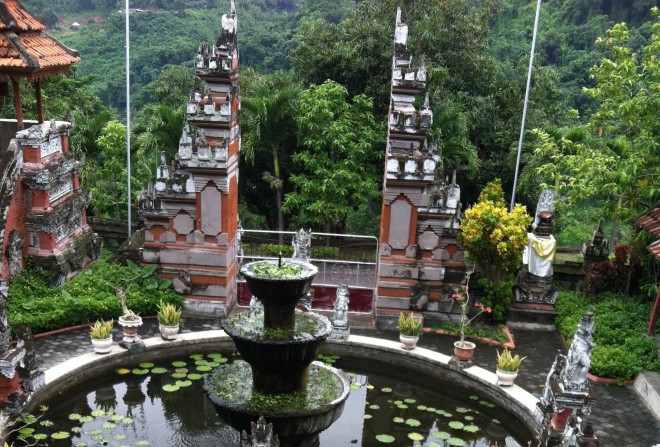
{"points": [[464, 350]]}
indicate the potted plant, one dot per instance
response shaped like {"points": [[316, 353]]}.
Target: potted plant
{"points": [[101, 333], [169, 320], [410, 327], [464, 350], [507, 367], [129, 321]]}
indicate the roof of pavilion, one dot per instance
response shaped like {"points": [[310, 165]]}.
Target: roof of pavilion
{"points": [[651, 223], [26, 50]]}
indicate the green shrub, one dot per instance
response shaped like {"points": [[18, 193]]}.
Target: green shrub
{"points": [[497, 297], [90, 296], [622, 348]]}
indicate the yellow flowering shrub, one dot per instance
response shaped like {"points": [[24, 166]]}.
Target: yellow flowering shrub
{"points": [[494, 237]]}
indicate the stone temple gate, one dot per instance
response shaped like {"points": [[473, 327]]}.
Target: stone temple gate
{"points": [[190, 213]]}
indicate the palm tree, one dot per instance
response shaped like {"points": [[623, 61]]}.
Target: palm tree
{"points": [[268, 108]]}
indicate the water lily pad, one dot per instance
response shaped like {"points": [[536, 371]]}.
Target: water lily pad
{"points": [[123, 371], [447, 415], [170, 388], [366, 416], [434, 444], [81, 444], [355, 386], [402, 406], [422, 407], [159, 370], [374, 407], [116, 417], [109, 425], [196, 356], [201, 362], [399, 420], [85, 419], [397, 402], [204, 368], [26, 431], [194, 376], [140, 372], [73, 430], [430, 409], [181, 370], [120, 437], [179, 364], [61, 435], [74, 416], [415, 436], [98, 413], [386, 390], [46, 423], [409, 401], [469, 418], [461, 410], [370, 386], [221, 360], [146, 365], [142, 443], [183, 383], [94, 432], [496, 421], [127, 421], [385, 439], [441, 435], [213, 364], [473, 397], [40, 436], [214, 355], [471, 428], [180, 375], [413, 422], [455, 441], [457, 425]]}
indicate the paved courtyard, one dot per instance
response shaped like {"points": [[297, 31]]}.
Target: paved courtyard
{"points": [[620, 417]]}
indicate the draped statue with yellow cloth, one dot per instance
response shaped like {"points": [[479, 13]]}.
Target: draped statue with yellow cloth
{"points": [[540, 254]]}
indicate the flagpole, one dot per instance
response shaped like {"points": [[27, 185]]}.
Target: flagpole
{"points": [[524, 117], [128, 120]]}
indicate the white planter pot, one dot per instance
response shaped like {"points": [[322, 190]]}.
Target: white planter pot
{"points": [[168, 332], [505, 378], [102, 345], [130, 328], [408, 342]]}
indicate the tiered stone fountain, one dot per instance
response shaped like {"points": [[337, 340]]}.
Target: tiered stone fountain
{"points": [[279, 344]]}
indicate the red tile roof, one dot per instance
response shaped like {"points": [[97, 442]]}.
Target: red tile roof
{"points": [[14, 16], [651, 223], [33, 51]]}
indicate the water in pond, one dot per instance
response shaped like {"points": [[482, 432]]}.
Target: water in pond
{"points": [[164, 405]]}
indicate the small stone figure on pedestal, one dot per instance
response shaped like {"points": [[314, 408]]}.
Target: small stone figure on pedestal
{"points": [[341, 329], [301, 243], [578, 360], [262, 435], [597, 250]]}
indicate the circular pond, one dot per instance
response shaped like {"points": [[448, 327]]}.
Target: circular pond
{"points": [[162, 403]]}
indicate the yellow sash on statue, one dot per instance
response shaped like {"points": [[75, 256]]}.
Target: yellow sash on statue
{"points": [[545, 248]]}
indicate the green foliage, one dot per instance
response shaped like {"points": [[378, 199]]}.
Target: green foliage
{"points": [[497, 297], [337, 165], [410, 324], [494, 237], [622, 348], [508, 362], [169, 314], [87, 297], [275, 270], [101, 329]]}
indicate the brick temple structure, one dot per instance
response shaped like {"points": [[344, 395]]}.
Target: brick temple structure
{"points": [[191, 213], [420, 258]]}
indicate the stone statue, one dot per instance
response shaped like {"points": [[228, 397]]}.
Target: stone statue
{"points": [[239, 242], [162, 173], [301, 243], [262, 435], [578, 360], [5, 331], [341, 306], [571, 432], [401, 31]]}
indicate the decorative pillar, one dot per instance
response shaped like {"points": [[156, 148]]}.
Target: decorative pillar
{"points": [[420, 259], [191, 213]]}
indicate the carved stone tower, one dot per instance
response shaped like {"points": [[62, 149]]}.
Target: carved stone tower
{"points": [[419, 254], [191, 214]]}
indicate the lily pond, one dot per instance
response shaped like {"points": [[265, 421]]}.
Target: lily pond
{"points": [[163, 404]]}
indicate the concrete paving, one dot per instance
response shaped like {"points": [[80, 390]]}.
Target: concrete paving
{"points": [[620, 417]]}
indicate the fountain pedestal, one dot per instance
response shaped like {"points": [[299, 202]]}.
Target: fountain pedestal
{"points": [[279, 344]]}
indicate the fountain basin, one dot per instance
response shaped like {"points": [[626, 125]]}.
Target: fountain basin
{"points": [[297, 418], [279, 295]]}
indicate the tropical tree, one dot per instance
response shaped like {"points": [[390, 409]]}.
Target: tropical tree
{"points": [[339, 163], [268, 115]]}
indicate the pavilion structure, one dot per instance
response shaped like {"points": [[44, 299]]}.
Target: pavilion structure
{"points": [[28, 52], [651, 223]]}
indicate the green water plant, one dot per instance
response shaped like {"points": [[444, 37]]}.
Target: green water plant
{"points": [[508, 362], [409, 324], [277, 270], [101, 329]]}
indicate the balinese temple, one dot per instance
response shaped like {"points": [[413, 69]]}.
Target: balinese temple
{"points": [[28, 52], [42, 206], [420, 258], [190, 214]]}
